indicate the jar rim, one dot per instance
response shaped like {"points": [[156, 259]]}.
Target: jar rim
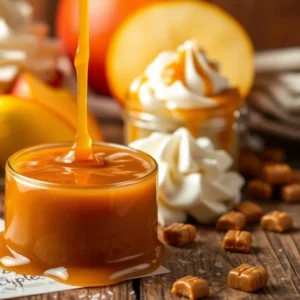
{"points": [[45, 184]]}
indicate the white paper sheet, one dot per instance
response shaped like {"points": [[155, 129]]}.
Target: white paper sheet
{"points": [[14, 285]]}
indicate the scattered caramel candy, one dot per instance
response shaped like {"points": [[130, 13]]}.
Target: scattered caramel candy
{"points": [[268, 163], [191, 287], [248, 278], [274, 155], [291, 193], [237, 241], [260, 189], [232, 220], [179, 234], [296, 176], [249, 165], [252, 211], [276, 221], [277, 174]]}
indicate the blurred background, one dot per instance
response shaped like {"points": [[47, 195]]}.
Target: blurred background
{"points": [[270, 23]]}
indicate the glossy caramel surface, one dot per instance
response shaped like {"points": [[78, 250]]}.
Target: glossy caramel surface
{"points": [[111, 166]]}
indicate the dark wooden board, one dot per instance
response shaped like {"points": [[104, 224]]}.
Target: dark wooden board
{"points": [[278, 253], [122, 291]]}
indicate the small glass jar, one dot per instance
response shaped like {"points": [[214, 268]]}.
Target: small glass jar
{"points": [[99, 234], [219, 123]]}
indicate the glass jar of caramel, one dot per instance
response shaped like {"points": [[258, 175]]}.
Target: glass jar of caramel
{"points": [[78, 223]]}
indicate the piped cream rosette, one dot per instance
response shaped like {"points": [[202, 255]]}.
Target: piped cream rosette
{"points": [[182, 79], [194, 177]]}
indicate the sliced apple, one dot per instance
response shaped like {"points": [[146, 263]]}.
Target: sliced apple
{"points": [[60, 102], [164, 26]]}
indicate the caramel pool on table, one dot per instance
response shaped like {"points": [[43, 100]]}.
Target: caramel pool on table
{"points": [[99, 223]]}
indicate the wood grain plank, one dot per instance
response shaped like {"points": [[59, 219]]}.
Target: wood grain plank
{"points": [[123, 291], [278, 253]]}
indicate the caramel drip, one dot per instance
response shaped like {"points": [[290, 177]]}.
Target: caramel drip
{"points": [[175, 70], [208, 84]]}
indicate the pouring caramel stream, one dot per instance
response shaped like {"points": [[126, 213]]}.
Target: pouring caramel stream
{"points": [[82, 148], [83, 143]]}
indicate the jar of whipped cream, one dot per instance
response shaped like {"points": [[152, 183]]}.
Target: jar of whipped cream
{"points": [[184, 88]]}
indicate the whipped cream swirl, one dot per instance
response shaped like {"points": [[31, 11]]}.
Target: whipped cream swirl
{"points": [[181, 79], [24, 44], [194, 177]]}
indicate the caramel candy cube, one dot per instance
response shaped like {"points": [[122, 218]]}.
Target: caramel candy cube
{"points": [[276, 221], [232, 220], [179, 234], [296, 176], [249, 165], [291, 193], [252, 211], [191, 287], [277, 174], [248, 278], [260, 189], [237, 241], [274, 155]]}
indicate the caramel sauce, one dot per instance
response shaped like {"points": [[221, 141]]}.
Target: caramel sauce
{"points": [[82, 149], [208, 84], [85, 214], [175, 70], [121, 165]]}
